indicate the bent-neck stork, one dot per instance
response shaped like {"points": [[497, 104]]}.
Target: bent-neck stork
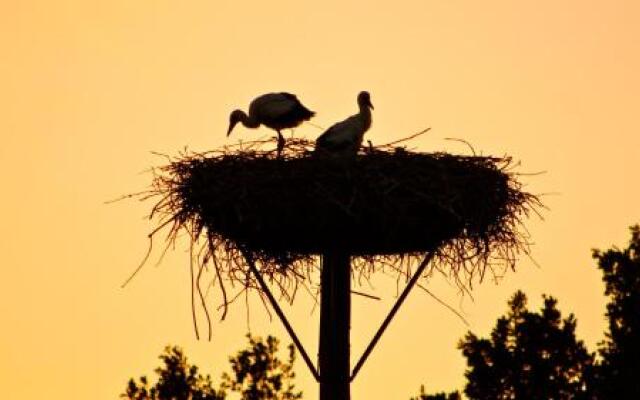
{"points": [[344, 138], [274, 110]]}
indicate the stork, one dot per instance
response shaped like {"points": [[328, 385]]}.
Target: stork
{"points": [[344, 138], [274, 110]]}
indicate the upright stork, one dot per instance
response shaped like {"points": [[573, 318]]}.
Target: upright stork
{"points": [[274, 110], [344, 138]]}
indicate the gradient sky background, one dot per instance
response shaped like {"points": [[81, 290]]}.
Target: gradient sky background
{"points": [[89, 88]]}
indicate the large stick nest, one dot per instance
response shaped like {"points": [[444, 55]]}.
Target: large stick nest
{"points": [[388, 201]]}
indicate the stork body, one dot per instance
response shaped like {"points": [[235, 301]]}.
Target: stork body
{"points": [[274, 110], [344, 138]]}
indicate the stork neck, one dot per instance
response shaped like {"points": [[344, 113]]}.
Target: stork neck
{"points": [[249, 121], [365, 110], [365, 113]]}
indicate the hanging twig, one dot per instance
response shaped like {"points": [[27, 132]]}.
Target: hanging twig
{"points": [[368, 296], [193, 298]]}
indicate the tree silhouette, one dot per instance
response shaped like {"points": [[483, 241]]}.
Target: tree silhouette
{"points": [[177, 380], [528, 356], [620, 350], [258, 374], [437, 396]]}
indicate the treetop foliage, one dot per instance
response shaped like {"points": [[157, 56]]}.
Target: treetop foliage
{"points": [[258, 374], [529, 355], [620, 351]]}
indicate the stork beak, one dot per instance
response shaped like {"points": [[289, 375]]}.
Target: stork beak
{"points": [[231, 125], [370, 105]]}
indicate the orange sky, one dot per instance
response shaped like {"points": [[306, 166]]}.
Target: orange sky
{"points": [[88, 89]]}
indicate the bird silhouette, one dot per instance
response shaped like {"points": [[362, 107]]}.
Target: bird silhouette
{"points": [[344, 138], [274, 110]]}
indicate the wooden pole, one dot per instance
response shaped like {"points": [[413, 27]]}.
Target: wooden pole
{"points": [[335, 322]]}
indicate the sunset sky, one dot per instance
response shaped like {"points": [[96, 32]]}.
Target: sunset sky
{"points": [[88, 89]]}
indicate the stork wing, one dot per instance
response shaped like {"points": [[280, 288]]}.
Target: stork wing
{"points": [[273, 105], [338, 136], [290, 96]]}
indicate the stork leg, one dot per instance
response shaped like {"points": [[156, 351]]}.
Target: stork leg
{"points": [[280, 143]]}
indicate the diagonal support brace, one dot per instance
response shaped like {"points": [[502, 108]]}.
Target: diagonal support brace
{"points": [[283, 318], [414, 279]]}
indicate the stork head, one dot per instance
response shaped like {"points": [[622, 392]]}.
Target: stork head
{"points": [[235, 117], [364, 100]]}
